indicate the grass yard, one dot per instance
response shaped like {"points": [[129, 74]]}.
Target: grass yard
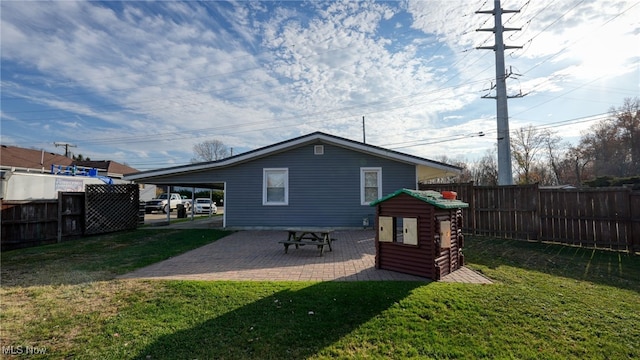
{"points": [[549, 301], [99, 257]]}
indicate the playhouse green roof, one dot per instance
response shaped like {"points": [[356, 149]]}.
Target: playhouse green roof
{"points": [[429, 196]]}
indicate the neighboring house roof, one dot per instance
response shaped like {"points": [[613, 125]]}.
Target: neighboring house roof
{"points": [[427, 169], [24, 159], [41, 161], [113, 169], [429, 196]]}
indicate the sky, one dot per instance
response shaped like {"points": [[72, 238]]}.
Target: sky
{"points": [[141, 82]]}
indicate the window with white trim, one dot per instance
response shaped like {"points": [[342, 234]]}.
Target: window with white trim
{"points": [[370, 185], [275, 186]]}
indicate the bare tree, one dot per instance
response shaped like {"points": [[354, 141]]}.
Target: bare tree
{"points": [[526, 145], [485, 171], [601, 147], [577, 166], [555, 151], [210, 150], [628, 124], [540, 173], [613, 144]]}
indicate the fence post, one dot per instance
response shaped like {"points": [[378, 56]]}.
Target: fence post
{"points": [[538, 214], [59, 216], [633, 240], [471, 191]]}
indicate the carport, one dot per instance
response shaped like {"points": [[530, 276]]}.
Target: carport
{"points": [[170, 187], [166, 178]]}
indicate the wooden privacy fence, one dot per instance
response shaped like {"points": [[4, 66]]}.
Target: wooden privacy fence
{"points": [[38, 222], [607, 218], [101, 209]]}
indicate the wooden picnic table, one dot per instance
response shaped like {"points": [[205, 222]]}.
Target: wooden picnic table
{"points": [[319, 237]]}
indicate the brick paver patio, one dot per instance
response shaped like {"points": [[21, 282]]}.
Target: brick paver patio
{"points": [[256, 255]]}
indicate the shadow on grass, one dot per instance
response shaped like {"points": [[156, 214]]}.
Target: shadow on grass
{"points": [[101, 257], [604, 267], [294, 323]]}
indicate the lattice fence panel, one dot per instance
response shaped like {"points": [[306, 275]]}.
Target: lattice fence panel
{"points": [[111, 208]]}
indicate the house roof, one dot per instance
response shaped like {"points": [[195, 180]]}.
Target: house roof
{"points": [[111, 167], [40, 160], [13, 156], [426, 168], [429, 196]]}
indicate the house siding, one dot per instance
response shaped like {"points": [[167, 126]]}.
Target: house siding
{"points": [[324, 190]]}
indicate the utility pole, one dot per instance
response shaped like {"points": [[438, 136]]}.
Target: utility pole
{"points": [[66, 147], [364, 136], [505, 174]]}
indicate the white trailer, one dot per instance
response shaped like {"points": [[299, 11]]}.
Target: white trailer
{"points": [[38, 186]]}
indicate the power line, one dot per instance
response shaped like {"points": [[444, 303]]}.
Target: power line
{"points": [[303, 117], [552, 23], [456, 137], [355, 108], [580, 39]]}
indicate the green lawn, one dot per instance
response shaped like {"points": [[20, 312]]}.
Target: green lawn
{"points": [[548, 301], [99, 257]]}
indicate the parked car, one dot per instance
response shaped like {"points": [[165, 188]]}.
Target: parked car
{"points": [[204, 206], [160, 203]]}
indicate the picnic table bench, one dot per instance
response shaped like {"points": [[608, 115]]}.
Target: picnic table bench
{"points": [[319, 237]]}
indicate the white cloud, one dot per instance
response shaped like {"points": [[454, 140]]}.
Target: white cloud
{"points": [[254, 73]]}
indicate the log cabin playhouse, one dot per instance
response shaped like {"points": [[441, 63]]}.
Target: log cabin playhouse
{"points": [[419, 233]]}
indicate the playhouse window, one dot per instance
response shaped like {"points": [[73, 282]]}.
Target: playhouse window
{"points": [[275, 187], [370, 185], [398, 230]]}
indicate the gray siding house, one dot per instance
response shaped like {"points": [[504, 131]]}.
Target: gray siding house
{"points": [[316, 180]]}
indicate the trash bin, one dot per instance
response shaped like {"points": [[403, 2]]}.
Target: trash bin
{"points": [[182, 212]]}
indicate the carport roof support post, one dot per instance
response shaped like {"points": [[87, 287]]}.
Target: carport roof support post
{"points": [[168, 204]]}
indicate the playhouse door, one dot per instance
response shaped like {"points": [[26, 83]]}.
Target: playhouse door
{"points": [[385, 229], [410, 231], [447, 264]]}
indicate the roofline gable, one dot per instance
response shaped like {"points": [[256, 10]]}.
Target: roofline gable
{"points": [[293, 143]]}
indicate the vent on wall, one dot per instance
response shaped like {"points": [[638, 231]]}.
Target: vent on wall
{"points": [[318, 149]]}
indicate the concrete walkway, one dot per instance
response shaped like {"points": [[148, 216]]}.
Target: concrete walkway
{"points": [[256, 255]]}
